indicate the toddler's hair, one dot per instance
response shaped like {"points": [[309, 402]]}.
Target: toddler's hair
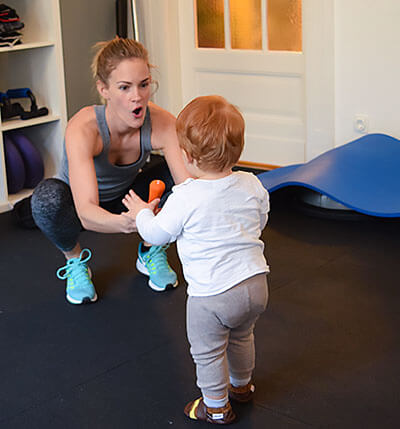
{"points": [[110, 53], [211, 131]]}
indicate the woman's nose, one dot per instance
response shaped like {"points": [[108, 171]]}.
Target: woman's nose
{"points": [[135, 94]]}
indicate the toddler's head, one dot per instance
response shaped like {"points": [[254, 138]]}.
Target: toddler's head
{"points": [[211, 132]]}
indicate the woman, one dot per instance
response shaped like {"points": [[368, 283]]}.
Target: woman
{"points": [[105, 148]]}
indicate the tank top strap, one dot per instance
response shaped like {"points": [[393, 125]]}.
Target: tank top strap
{"points": [[100, 111], [145, 133]]}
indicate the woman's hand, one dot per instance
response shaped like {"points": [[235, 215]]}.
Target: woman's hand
{"points": [[128, 224], [134, 204]]}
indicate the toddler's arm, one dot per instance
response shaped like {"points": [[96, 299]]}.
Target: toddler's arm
{"points": [[134, 204], [263, 220], [146, 221], [149, 229]]}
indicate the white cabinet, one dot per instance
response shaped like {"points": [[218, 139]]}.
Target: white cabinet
{"points": [[37, 64]]}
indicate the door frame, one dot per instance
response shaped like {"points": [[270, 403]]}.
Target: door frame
{"points": [[319, 56], [159, 31]]}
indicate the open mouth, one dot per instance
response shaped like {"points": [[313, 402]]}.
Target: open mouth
{"points": [[137, 112]]}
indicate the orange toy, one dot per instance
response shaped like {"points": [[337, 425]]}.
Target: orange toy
{"points": [[156, 189]]}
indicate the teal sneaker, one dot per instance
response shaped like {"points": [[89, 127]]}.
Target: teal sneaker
{"points": [[80, 289], [154, 264]]}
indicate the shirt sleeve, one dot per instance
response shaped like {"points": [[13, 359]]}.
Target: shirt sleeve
{"points": [[264, 206], [150, 230], [173, 214]]}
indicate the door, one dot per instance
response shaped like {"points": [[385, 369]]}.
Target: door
{"points": [[250, 52]]}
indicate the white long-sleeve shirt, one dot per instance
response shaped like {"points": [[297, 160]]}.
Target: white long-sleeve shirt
{"points": [[217, 225]]}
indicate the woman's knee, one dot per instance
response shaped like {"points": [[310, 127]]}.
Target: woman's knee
{"points": [[52, 203], [50, 196]]}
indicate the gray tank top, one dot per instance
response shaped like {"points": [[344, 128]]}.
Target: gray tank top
{"points": [[113, 180]]}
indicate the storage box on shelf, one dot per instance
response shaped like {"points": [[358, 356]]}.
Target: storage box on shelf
{"points": [[37, 64]]}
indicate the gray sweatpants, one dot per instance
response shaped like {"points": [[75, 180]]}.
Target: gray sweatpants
{"points": [[220, 332]]}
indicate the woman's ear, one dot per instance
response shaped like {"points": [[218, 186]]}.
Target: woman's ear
{"points": [[102, 89]]}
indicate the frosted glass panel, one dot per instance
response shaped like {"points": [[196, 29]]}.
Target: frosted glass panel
{"points": [[245, 24], [210, 23], [284, 25]]}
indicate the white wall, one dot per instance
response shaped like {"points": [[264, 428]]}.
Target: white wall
{"points": [[367, 66], [158, 31], [83, 23]]}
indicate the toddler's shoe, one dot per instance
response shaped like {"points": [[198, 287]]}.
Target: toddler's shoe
{"points": [[242, 393], [80, 289], [154, 264], [197, 410]]}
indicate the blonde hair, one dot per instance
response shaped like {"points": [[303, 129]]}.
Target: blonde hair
{"points": [[211, 131], [110, 53]]}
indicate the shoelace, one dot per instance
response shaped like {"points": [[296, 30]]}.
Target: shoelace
{"points": [[70, 268], [158, 256]]}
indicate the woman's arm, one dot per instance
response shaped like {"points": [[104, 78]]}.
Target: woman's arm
{"points": [[82, 144], [164, 138]]}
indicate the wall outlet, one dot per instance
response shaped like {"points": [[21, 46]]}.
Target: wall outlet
{"points": [[361, 123]]}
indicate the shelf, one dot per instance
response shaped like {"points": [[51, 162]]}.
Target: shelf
{"points": [[30, 45], [19, 123], [36, 63], [14, 198], [5, 206]]}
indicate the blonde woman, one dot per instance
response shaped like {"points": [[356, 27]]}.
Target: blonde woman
{"points": [[106, 146]]}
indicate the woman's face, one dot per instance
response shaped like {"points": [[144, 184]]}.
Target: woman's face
{"points": [[128, 91]]}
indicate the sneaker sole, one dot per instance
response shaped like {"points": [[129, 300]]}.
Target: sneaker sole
{"points": [[142, 269], [85, 300]]}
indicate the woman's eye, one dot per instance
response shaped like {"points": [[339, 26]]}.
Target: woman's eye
{"points": [[145, 84], [123, 87]]}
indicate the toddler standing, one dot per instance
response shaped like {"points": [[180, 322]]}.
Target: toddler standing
{"points": [[216, 218]]}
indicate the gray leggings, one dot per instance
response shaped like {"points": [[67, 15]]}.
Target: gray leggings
{"points": [[220, 332], [54, 212]]}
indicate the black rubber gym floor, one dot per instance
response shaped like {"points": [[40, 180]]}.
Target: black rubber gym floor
{"points": [[328, 348]]}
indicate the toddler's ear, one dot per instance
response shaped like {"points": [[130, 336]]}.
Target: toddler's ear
{"points": [[187, 156]]}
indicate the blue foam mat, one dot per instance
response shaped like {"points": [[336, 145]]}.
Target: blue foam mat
{"points": [[363, 175]]}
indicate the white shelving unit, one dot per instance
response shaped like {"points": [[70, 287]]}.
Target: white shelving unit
{"points": [[36, 64]]}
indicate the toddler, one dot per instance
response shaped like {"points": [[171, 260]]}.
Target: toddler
{"points": [[216, 218]]}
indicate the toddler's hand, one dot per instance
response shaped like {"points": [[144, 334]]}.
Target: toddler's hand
{"points": [[134, 204]]}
